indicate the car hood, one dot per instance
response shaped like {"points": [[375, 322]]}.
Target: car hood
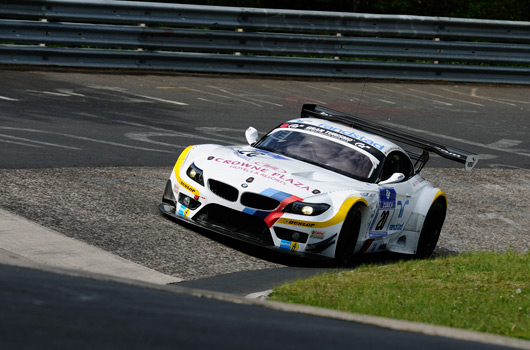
{"points": [[257, 171]]}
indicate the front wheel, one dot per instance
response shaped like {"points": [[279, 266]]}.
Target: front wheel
{"points": [[345, 251], [432, 226]]}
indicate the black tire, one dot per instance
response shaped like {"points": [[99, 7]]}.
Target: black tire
{"points": [[349, 233], [432, 226]]}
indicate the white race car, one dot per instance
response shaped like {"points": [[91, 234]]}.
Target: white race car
{"points": [[326, 185]]}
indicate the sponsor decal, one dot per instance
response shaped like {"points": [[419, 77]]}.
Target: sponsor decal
{"points": [[449, 153], [188, 187], [387, 207], [396, 227], [332, 134], [272, 167], [296, 223], [387, 199], [417, 180], [288, 245], [354, 135], [348, 136], [248, 154], [402, 205], [317, 234], [265, 170], [183, 211]]}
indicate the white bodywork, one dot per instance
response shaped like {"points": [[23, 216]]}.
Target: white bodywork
{"points": [[392, 213]]}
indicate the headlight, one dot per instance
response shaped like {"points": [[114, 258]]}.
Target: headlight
{"points": [[309, 209], [195, 174]]}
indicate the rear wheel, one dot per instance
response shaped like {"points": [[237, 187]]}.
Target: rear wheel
{"points": [[344, 253], [432, 226]]}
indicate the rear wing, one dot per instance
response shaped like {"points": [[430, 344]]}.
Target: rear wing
{"points": [[468, 159]]}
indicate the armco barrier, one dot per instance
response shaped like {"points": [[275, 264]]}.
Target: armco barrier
{"points": [[126, 34]]}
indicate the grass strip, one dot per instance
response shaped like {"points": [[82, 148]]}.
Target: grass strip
{"points": [[481, 291]]}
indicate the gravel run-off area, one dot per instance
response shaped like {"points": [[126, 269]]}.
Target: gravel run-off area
{"points": [[116, 209]]}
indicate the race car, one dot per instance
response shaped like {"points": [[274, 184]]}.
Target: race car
{"points": [[325, 185]]}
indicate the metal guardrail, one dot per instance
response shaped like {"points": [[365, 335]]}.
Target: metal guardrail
{"points": [[126, 34]]}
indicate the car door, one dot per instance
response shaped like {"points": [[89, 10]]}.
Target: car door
{"points": [[396, 200]]}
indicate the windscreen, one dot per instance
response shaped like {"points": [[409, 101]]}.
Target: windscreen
{"points": [[331, 154]]}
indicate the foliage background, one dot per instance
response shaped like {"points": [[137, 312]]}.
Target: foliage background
{"points": [[517, 10]]}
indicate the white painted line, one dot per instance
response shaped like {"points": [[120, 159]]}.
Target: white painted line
{"points": [[243, 97], [393, 103], [50, 93], [212, 101], [7, 98], [38, 142], [415, 96], [491, 146], [160, 99], [474, 95], [25, 241], [145, 136], [124, 91], [85, 139], [70, 92], [20, 143], [449, 98], [507, 144], [217, 95], [347, 94]]}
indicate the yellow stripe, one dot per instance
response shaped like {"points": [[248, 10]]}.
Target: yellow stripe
{"points": [[181, 182], [439, 194], [339, 217]]}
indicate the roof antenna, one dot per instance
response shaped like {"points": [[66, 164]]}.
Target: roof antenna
{"points": [[359, 103]]}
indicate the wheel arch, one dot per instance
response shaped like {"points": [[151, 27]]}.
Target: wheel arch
{"points": [[360, 204], [427, 199], [431, 227]]}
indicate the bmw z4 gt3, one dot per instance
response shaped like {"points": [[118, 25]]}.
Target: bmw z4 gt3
{"points": [[325, 185]]}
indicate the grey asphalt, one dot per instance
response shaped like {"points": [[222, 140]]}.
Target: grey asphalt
{"points": [[47, 310], [90, 118], [63, 134]]}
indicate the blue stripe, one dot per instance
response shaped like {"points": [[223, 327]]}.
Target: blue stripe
{"points": [[278, 195], [249, 211], [269, 192]]}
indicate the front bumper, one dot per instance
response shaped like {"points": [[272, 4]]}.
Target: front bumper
{"points": [[258, 235]]}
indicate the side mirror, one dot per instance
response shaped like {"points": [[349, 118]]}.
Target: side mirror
{"points": [[396, 177], [252, 135]]}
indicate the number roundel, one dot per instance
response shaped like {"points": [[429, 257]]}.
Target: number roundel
{"points": [[382, 220]]}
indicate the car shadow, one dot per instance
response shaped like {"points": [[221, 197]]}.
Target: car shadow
{"points": [[290, 267]]}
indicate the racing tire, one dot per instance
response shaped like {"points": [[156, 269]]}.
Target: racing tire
{"points": [[432, 226], [348, 236]]}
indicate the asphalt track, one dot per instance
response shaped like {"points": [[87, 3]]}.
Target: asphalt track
{"points": [[47, 310], [86, 118], [53, 120]]}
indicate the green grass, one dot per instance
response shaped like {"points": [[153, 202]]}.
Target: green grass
{"points": [[485, 292]]}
